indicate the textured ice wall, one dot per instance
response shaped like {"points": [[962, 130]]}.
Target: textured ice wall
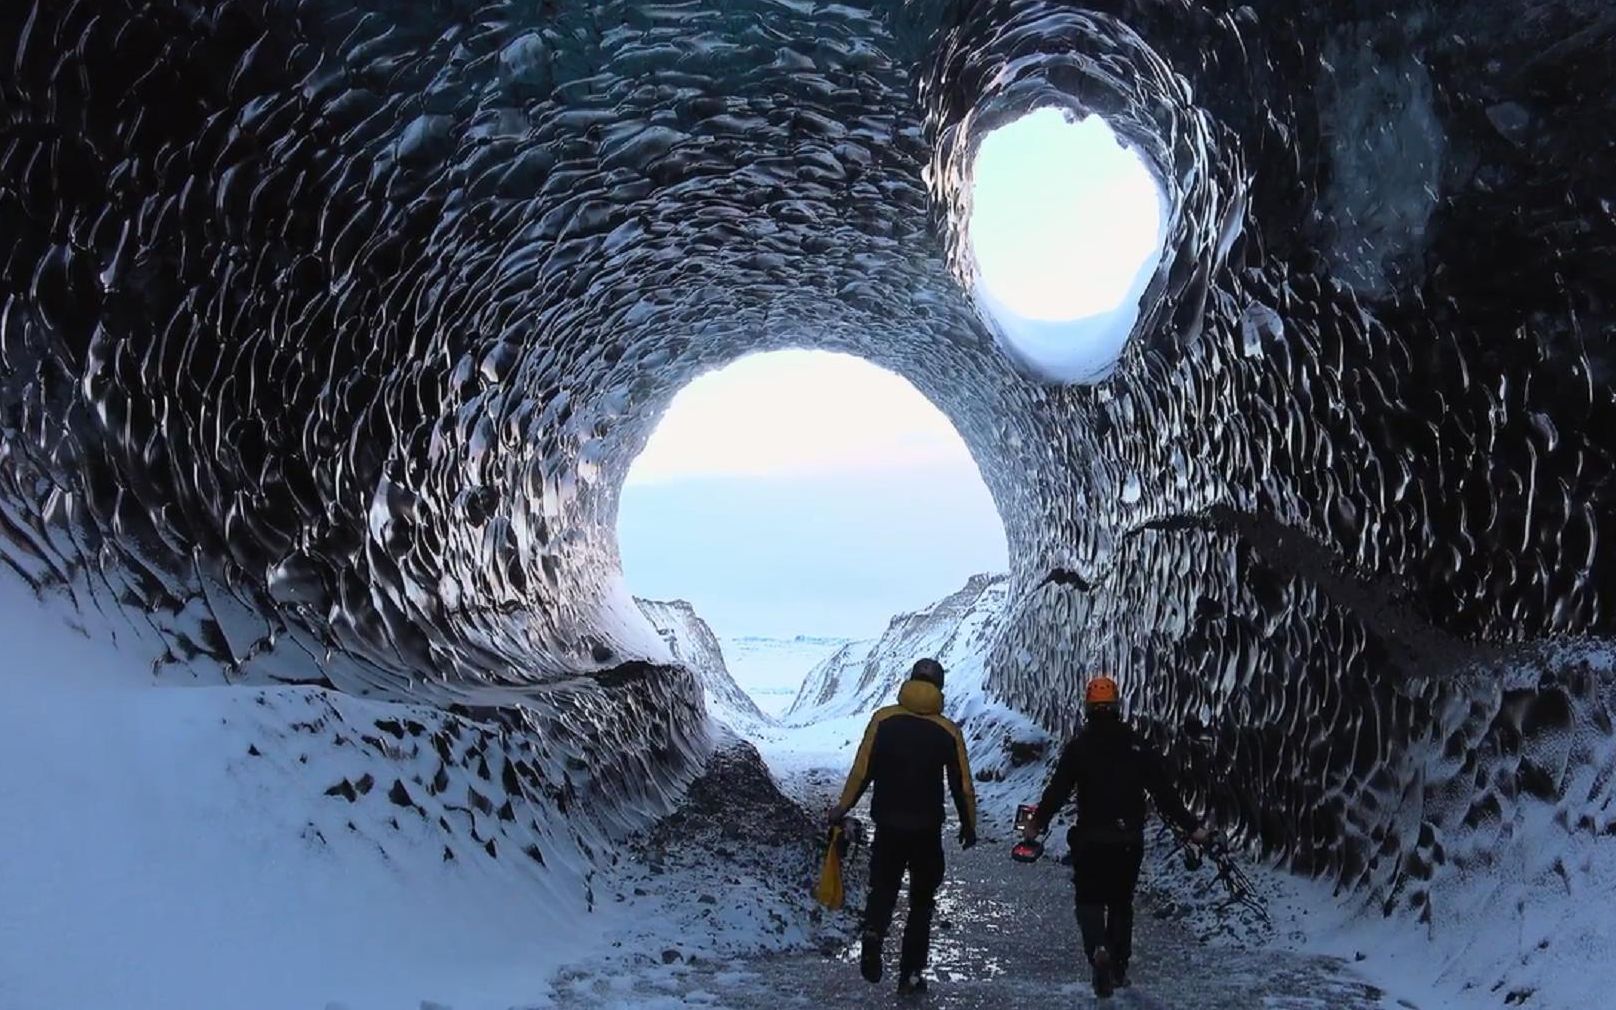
{"points": [[329, 329], [349, 317], [1360, 473], [692, 644]]}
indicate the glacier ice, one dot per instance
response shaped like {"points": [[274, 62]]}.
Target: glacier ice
{"points": [[329, 328]]}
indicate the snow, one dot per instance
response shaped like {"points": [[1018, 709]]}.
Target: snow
{"points": [[808, 760], [625, 626], [172, 847], [772, 669], [862, 676], [1536, 929], [691, 642], [152, 863]]}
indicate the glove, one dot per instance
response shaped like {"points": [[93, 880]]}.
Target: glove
{"points": [[1202, 834], [967, 837]]}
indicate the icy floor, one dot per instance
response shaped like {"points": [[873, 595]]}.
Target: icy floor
{"points": [[1005, 937]]}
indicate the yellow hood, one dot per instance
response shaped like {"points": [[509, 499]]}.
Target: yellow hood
{"points": [[920, 697]]}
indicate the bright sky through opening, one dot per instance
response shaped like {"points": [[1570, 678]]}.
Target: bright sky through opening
{"points": [[795, 413], [805, 493], [1063, 218]]}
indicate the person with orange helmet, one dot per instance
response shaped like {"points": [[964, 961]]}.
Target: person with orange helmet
{"points": [[1110, 769]]}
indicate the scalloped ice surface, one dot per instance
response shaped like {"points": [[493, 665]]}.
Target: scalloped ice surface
{"points": [[329, 329]]}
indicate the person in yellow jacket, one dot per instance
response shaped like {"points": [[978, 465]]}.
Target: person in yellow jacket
{"points": [[909, 749]]}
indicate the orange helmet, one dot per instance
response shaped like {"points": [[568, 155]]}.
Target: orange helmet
{"points": [[1102, 690]]}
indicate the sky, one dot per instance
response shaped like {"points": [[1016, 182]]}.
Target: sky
{"points": [[795, 413], [805, 492], [1066, 228]]}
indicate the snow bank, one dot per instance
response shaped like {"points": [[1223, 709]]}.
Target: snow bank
{"points": [[268, 848], [691, 642], [1514, 905]]}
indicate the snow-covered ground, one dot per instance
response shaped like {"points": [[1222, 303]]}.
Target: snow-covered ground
{"points": [[170, 848], [772, 669]]}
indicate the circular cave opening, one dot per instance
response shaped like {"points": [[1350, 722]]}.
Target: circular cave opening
{"points": [[797, 500], [1066, 229]]}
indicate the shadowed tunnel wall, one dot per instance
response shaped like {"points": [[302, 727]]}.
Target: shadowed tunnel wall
{"points": [[328, 331]]}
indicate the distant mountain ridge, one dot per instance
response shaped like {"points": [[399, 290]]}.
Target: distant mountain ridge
{"points": [[862, 675], [809, 639], [857, 677]]}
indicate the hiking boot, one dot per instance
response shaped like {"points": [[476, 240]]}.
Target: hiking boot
{"points": [[1102, 972], [1119, 976], [911, 984], [870, 957]]}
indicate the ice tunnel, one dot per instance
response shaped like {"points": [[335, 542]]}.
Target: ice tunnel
{"points": [[328, 329]]}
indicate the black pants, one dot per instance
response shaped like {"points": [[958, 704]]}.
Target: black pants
{"points": [[921, 854], [1105, 872]]}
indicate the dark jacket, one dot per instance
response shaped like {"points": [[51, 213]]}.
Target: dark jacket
{"points": [[908, 749], [1111, 769]]}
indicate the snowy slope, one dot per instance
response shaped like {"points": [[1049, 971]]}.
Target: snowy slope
{"points": [[181, 847], [821, 730], [832, 686], [864, 675], [269, 848], [692, 643], [771, 670]]}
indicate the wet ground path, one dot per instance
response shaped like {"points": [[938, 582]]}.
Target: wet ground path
{"points": [[1008, 939], [1005, 937]]}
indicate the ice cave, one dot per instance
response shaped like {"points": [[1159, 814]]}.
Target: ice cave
{"points": [[330, 328]]}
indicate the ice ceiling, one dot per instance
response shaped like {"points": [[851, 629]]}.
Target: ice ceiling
{"points": [[329, 329]]}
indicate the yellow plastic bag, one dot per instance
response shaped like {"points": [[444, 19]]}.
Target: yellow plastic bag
{"points": [[829, 889]]}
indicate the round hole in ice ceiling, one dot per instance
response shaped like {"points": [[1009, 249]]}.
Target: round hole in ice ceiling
{"points": [[1066, 229]]}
